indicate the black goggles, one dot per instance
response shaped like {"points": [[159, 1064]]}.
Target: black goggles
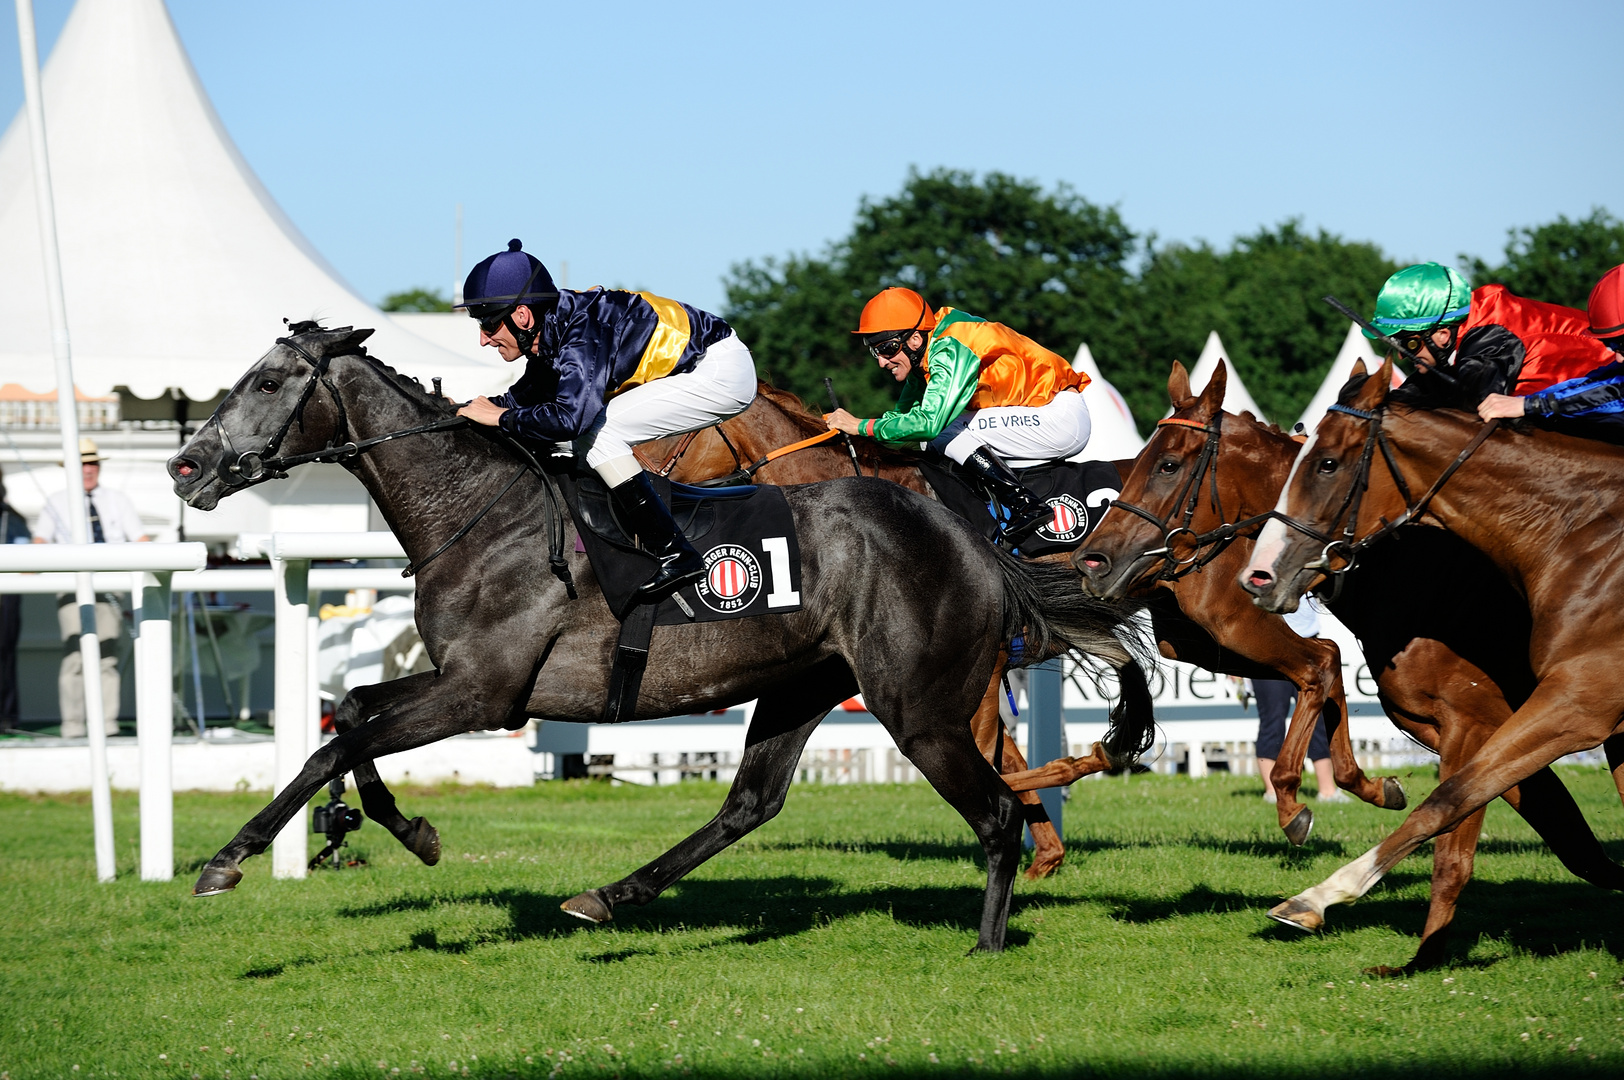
{"points": [[490, 319], [885, 346], [1415, 340]]}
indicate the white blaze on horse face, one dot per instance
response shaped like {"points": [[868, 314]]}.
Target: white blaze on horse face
{"points": [[1271, 542]]}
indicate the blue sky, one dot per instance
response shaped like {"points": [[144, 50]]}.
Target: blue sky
{"points": [[656, 145]]}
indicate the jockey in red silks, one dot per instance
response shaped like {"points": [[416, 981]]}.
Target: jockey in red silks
{"points": [[606, 369], [1505, 352], [975, 391]]}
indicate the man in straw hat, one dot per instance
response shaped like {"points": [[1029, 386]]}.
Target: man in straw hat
{"points": [[113, 520]]}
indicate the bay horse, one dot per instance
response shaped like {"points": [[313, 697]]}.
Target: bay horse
{"points": [[1442, 631], [1257, 644], [1542, 509], [517, 626]]}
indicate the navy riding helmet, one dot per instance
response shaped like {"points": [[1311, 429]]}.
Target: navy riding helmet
{"points": [[501, 283]]}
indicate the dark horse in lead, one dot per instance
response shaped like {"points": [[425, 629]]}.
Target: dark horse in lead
{"points": [[508, 640]]}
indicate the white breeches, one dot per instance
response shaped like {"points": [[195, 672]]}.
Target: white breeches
{"points": [[1025, 436], [721, 385]]}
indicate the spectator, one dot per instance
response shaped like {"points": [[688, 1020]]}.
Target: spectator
{"points": [[113, 520], [1276, 698], [13, 530]]}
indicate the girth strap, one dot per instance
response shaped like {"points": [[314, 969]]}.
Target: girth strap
{"points": [[631, 660]]}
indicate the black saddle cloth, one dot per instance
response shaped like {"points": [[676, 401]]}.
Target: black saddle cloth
{"points": [[746, 535], [1079, 493]]}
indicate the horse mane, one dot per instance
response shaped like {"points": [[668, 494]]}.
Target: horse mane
{"points": [[409, 384], [811, 422]]}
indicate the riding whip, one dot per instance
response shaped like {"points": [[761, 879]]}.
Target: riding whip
{"points": [[1420, 364], [834, 402]]}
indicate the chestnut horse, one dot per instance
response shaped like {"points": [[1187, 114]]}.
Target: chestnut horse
{"points": [[1540, 506], [1450, 659], [1268, 649]]}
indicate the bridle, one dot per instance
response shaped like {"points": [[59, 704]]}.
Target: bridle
{"points": [[243, 470], [1341, 553], [1203, 547]]}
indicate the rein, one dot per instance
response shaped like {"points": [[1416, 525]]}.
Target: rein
{"points": [[1349, 548], [1204, 547], [741, 473], [247, 470]]}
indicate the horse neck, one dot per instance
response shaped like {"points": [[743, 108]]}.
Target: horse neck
{"points": [[1253, 462], [426, 486], [1515, 499]]}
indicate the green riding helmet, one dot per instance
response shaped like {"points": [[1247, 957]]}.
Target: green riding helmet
{"points": [[1421, 297]]}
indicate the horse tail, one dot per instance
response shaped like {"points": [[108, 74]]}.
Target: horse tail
{"points": [[1132, 727], [1046, 608]]}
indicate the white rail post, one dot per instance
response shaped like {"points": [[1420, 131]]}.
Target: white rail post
{"points": [[155, 723], [290, 851]]}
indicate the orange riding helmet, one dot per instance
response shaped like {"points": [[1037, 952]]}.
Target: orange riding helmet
{"points": [[894, 310], [1606, 304]]}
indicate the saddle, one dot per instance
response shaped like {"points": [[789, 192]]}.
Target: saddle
{"points": [[746, 535], [1079, 492]]}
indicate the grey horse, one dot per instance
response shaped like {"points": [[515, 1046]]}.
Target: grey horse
{"points": [[902, 602]]}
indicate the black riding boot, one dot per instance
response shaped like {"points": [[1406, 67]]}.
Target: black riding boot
{"points": [[641, 508], [1027, 513]]}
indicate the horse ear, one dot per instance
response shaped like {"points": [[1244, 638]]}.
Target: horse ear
{"points": [[1178, 385], [1212, 398], [351, 339], [1359, 370], [1374, 391]]}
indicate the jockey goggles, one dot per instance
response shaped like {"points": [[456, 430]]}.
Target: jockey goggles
{"points": [[1414, 341], [885, 346]]}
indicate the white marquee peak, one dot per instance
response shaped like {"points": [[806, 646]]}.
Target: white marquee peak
{"points": [[1115, 436], [178, 264], [1237, 399]]}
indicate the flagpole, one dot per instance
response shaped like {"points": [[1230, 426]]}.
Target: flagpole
{"points": [[67, 407]]}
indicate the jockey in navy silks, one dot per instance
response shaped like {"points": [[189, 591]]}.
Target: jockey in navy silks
{"points": [[607, 369]]}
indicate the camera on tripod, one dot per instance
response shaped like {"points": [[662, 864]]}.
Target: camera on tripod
{"points": [[334, 821]]}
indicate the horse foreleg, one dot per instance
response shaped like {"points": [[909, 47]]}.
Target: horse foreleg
{"points": [[415, 721], [782, 723], [998, 747], [1614, 748], [417, 835], [1558, 719], [1548, 807]]}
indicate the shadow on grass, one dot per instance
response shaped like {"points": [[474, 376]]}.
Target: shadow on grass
{"points": [[1534, 917], [755, 911], [1278, 851]]}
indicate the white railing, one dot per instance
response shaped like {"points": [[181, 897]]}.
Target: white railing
{"points": [[146, 571], [151, 573]]}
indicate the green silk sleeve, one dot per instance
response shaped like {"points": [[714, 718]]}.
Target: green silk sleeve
{"points": [[954, 372]]}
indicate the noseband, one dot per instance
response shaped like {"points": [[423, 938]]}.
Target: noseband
{"points": [[1203, 547], [1341, 553]]}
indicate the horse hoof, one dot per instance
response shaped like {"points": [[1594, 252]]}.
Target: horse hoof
{"points": [[216, 880], [424, 842], [1393, 797], [1382, 971], [1298, 914], [589, 906], [1298, 828]]}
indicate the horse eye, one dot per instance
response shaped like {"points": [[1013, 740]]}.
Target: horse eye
{"points": [[1168, 467], [269, 386], [1327, 466]]}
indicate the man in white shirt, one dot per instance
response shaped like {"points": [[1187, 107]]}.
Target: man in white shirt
{"points": [[113, 519], [1276, 699]]}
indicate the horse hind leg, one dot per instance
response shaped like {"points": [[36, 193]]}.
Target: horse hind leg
{"points": [[998, 747], [784, 720], [378, 802]]}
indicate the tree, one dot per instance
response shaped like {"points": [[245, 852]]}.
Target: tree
{"points": [[416, 300], [1263, 296], [1051, 265], [1559, 262]]}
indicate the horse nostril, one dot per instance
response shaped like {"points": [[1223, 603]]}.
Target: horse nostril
{"points": [[1093, 560], [184, 468], [1260, 578]]}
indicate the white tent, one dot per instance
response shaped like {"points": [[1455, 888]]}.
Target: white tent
{"points": [[178, 265], [1355, 347], [1237, 398], [1115, 435]]}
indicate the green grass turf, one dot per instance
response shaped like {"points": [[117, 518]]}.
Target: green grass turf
{"points": [[830, 943]]}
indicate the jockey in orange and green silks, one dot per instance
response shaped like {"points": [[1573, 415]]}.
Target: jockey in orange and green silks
{"points": [[975, 391]]}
